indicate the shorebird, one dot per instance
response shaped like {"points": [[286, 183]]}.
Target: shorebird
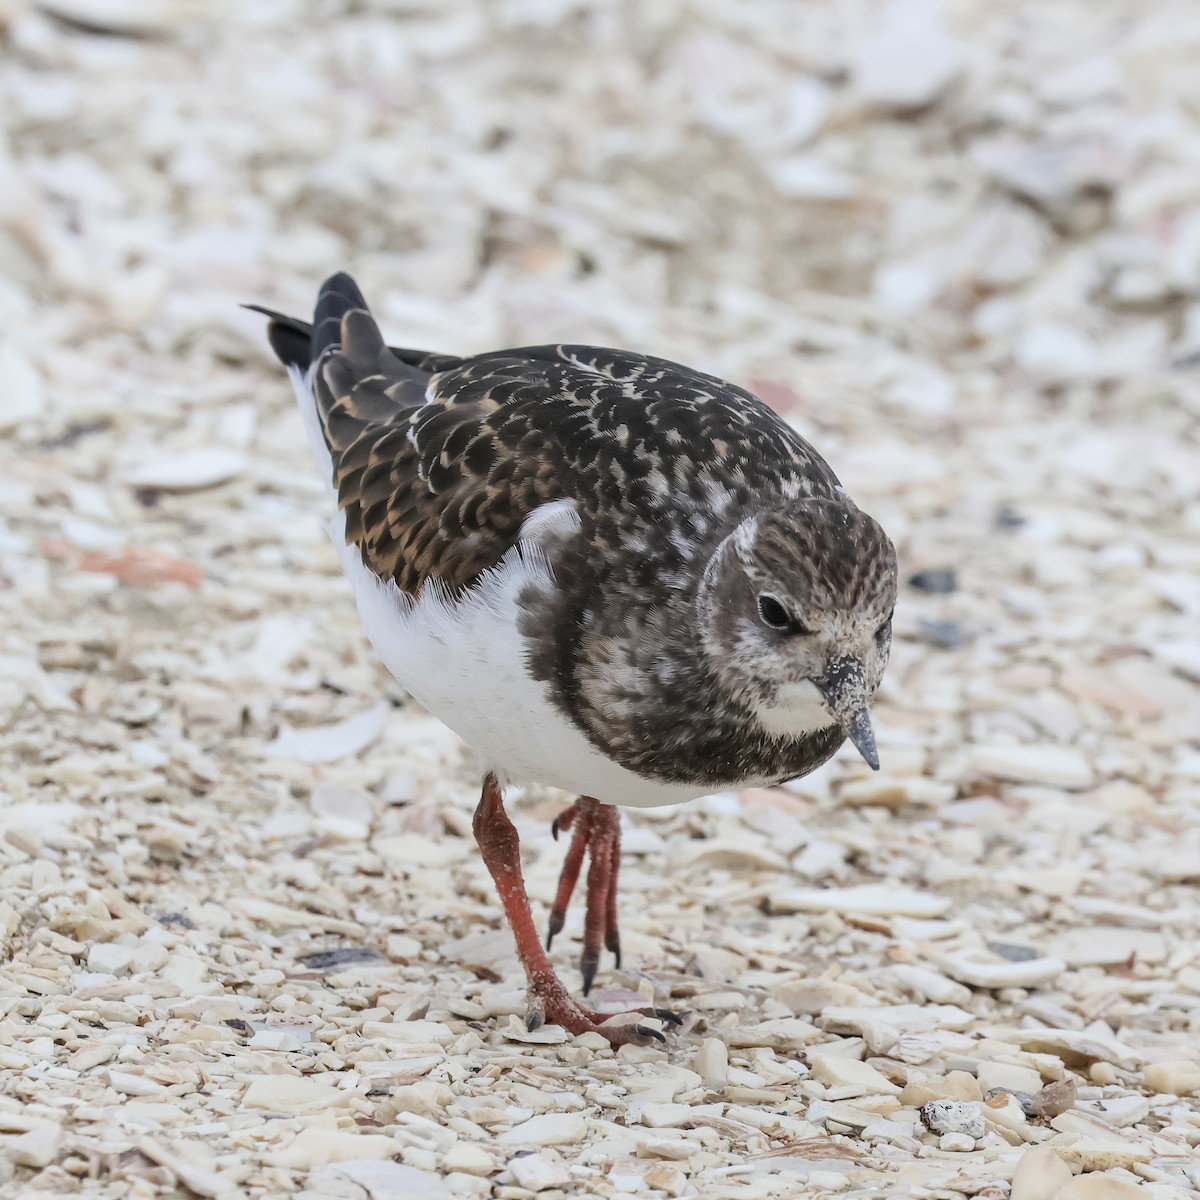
{"points": [[606, 572]]}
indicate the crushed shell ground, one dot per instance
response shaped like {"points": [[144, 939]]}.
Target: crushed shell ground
{"points": [[249, 948]]}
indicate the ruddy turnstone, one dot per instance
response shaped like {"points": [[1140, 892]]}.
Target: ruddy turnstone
{"points": [[606, 572]]}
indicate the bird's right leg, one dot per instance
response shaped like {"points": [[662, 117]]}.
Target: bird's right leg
{"points": [[548, 999]]}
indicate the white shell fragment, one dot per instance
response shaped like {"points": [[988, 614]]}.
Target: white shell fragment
{"points": [[188, 471], [869, 900], [330, 742]]}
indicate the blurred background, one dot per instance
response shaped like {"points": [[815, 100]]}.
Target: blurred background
{"points": [[957, 244]]}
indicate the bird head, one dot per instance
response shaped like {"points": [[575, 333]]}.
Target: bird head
{"points": [[796, 613]]}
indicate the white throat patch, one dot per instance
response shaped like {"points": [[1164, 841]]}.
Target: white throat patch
{"points": [[797, 709]]}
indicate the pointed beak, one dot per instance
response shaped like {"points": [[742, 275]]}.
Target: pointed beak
{"points": [[845, 692]]}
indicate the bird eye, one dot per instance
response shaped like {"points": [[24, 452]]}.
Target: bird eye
{"points": [[776, 616], [773, 613]]}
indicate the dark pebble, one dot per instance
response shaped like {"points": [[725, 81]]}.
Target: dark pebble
{"points": [[939, 581], [945, 635], [1011, 952], [347, 956]]}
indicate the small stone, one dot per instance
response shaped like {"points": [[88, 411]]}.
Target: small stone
{"points": [[943, 634], [401, 948], [1055, 1098], [548, 1129], [91, 1054], [666, 1116], [808, 997], [1009, 1077], [537, 1173], [37, 1148], [670, 1180], [953, 1116], [1077, 1045], [1101, 1187], [1108, 945], [189, 471], [1040, 1175], [736, 852], [870, 899], [1178, 1077], [886, 1130], [712, 1063], [1005, 1111], [955, 1085], [930, 985], [20, 385], [1100, 1153], [849, 1075], [1055, 766], [957, 1142], [909, 59], [111, 958], [290, 1093], [328, 743], [195, 1177], [342, 958], [935, 582], [382, 1180], [895, 791], [129, 1084], [1123, 1111], [783, 1033], [847, 1114], [275, 1039], [468, 1158], [317, 1147], [979, 969]]}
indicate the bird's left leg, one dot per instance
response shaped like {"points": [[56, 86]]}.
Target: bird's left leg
{"points": [[597, 832]]}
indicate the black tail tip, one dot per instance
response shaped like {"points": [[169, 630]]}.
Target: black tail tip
{"points": [[340, 292], [290, 338], [339, 295]]}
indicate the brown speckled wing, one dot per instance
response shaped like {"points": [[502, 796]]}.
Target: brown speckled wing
{"points": [[427, 489], [437, 461]]}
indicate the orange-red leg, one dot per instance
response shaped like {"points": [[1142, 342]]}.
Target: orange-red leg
{"points": [[598, 833], [548, 999]]}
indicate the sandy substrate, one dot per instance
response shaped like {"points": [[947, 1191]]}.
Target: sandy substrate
{"points": [[249, 948]]}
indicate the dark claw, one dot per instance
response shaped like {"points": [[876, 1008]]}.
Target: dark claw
{"points": [[612, 942], [671, 1018], [646, 1032], [588, 965], [557, 920], [554, 829], [534, 1019]]}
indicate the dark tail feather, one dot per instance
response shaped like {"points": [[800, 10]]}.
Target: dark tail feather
{"points": [[297, 343], [339, 294], [290, 338]]}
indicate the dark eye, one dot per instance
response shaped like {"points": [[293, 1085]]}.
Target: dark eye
{"points": [[773, 613], [776, 616]]}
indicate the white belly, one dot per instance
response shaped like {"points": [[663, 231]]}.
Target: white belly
{"points": [[465, 662]]}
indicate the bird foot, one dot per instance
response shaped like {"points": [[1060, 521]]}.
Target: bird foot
{"points": [[597, 833], [549, 1003]]}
